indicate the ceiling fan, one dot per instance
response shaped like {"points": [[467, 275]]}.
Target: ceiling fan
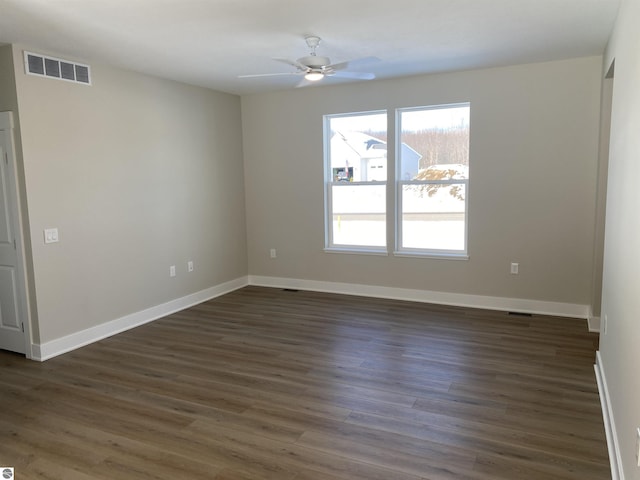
{"points": [[314, 67]]}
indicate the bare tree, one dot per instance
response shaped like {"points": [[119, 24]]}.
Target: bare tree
{"points": [[437, 146]]}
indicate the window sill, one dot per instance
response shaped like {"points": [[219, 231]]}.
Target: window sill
{"points": [[356, 251], [432, 255]]}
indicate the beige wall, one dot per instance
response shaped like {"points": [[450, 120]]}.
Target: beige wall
{"points": [[534, 153], [621, 279], [137, 173]]}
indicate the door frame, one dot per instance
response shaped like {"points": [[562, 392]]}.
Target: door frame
{"points": [[13, 197]]}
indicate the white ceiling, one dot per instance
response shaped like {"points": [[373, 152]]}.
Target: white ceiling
{"points": [[210, 42]]}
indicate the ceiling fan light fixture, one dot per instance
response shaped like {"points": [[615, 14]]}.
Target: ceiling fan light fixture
{"points": [[314, 76]]}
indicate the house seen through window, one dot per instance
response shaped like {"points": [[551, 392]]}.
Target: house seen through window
{"points": [[426, 176]]}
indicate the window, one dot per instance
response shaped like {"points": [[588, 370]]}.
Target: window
{"points": [[432, 179], [356, 181], [429, 173]]}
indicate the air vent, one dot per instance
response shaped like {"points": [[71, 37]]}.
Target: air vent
{"points": [[56, 68]]}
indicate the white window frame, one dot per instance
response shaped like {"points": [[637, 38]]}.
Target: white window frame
{"points": [[329, 182], [399, 183], [393, 191]]}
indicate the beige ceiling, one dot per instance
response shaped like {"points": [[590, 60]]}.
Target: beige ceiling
{"points": [[211, 42]]}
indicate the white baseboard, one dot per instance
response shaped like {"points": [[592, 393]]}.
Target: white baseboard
{"points": [[426, 296], [79, 339], [615, 458], [594, 324], [594, 321]]}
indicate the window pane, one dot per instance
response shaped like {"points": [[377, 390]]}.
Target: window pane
{"points": [[436, 136], [359, 217], [434, 147], [433, 216], [356, 155], [358, 148]]}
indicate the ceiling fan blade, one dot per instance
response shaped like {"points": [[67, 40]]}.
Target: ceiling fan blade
{"points": [[354, 75], [255, 75], [293, 63], [354, 63], [304, 83]]}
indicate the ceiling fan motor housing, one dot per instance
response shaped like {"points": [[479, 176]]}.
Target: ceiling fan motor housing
{"points": [[314, 61]]}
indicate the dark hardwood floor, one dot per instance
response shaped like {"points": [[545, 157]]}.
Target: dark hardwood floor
{"points": [[273, 384]]}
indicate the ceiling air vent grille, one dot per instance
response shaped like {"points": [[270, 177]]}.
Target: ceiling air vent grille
{"points": [[56, 68]]}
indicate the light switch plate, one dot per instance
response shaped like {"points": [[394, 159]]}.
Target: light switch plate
{"points": [[51, 235]]}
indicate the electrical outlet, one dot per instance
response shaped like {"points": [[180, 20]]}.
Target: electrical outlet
{"points": [[172, 271], [514, 268], [272, 253], [190, 265]]}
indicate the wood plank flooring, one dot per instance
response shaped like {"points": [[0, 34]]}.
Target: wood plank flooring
{"points": [[274, 384]]}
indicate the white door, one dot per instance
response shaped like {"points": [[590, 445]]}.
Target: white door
{"points": [[12, 336]]}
